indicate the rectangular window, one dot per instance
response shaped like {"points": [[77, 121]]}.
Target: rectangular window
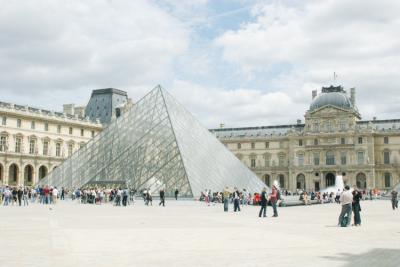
{"points": [[315, 142], [239, 145], [343, 158], [19, 123], [360, 157], [253, 145], [316, 159], [58, 150], [316, 127], [300, 142], [387, 180], [33, 125], [58, 128], [253, 163], [330, 158], [70, 130], [360, 140], [342, 140], [329, 126], [93, 135], [18, 144], [267, 161], [3, 142], [46, 126], [281, 160], [70, 149], [32, 144], [266, 144], [81, 145], [82, 132], [342, 125], [45, 148], [386, 140], [4, 120], [301, 159], [386, 157]]}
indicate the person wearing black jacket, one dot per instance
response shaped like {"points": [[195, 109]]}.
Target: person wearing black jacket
{"points": [[20, 192], [357, 196], [162, 198], [263, 203]]}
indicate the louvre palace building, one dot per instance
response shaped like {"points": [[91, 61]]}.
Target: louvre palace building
{"points": [[35, 141], [333, 141]]}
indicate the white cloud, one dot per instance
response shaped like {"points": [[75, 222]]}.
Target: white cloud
{"points": [[236, 107], [360, 40], [48, 45]]}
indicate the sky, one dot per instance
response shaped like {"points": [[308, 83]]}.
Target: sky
{"points": [[237, 62]]}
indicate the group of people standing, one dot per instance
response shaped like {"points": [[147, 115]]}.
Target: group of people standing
{"points": [[25, 195]]}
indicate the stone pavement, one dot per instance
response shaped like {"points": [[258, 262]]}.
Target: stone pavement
{"points": [[188, 233]]}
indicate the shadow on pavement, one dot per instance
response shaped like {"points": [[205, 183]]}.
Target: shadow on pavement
{"points": [[378, 257]]}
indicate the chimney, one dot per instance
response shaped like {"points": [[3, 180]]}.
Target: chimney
{"points": [[374, 118], [353, 96], [314, 94], [298, 121]]}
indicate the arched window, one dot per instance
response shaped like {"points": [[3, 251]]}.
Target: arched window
{"points": [[13, 173], [1, 174], [361, 181], [387, 180], [28, 175], [281, 180], [300, 181], [42, 172], [267, 180]]}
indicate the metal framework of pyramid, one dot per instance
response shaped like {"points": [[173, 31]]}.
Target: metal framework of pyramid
{"points": [[156, 144]]}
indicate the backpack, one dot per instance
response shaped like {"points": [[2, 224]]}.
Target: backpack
{"points": [[344, 221]]}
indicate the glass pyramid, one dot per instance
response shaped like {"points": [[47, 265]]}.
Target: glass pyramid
{"points": [[156, 144]]}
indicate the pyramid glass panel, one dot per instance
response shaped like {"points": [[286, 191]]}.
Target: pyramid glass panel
{"points": [[156, 144]]}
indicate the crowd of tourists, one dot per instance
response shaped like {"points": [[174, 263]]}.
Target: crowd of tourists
{"points": [[349, 199], [19, 195]]}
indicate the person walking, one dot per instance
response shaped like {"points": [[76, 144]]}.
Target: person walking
{"points": [[395, 202], [357, 196], [225, 195], [54, 195], [125, 197], [20, 193], [346, 199], [25, 196], [236, 200], [263, 203], [176, 194], [62, 193], [162, 198], [7, 196], [149, 198], [274, 200]]}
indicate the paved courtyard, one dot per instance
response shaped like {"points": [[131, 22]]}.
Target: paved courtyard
{"points": [[187, 233]]}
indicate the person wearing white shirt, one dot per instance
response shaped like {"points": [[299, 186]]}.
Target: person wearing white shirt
{"points": [[55, 195], [346, 199]]}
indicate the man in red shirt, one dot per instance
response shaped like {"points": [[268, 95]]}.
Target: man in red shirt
{"points": [[274, 199], [46, 192]]}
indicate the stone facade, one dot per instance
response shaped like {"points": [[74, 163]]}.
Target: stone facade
{"points": [[35, 141], [332, 141]]}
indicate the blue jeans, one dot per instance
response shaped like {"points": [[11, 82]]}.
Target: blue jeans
{"points": [[6, 201], [346, 209], [273, 203], [226, 204]]}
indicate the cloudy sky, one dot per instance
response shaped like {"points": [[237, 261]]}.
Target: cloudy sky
{"points": [[237, 62]]}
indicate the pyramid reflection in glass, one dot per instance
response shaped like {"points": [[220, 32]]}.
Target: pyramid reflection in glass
{"points": [[156, 144]]}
